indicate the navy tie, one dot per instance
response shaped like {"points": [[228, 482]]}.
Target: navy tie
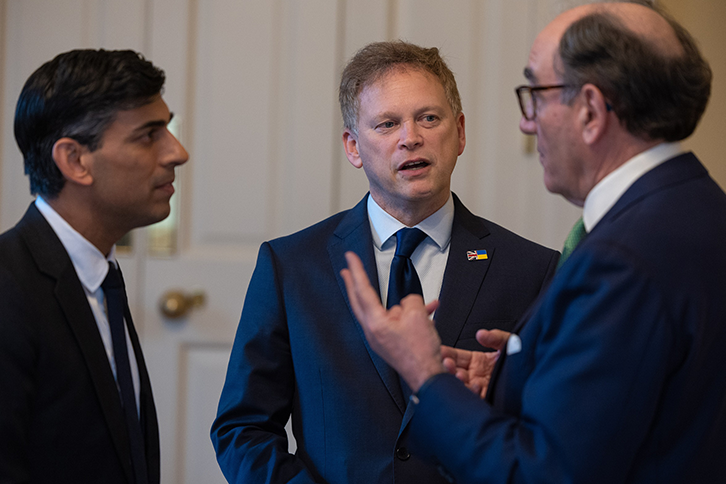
{"points": [[117, 306], [403, 279]]}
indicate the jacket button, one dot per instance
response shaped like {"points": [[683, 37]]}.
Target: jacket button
{"points": [[402, 453]]}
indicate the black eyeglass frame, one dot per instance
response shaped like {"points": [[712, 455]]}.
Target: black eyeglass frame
{"points": [[531, 89]]}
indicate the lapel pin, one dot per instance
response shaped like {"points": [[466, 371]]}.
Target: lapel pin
{"points": [[476, 254]]}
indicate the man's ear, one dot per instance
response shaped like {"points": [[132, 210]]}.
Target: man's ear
{"points": [[594, 113], [71, 158], [350, 144], [460, 121]]}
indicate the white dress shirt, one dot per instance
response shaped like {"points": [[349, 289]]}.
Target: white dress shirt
{"points": [[430, 256], [609, 190], [91, 267]]}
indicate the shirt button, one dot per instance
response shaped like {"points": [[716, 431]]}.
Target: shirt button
{"points": [[402, 453]]}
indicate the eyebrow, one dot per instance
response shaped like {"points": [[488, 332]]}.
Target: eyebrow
{"points": [[529, 74], [386, 114], [434, 107], [155, 123], [418, 112]]}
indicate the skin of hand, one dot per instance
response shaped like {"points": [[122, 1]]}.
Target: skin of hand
{"points": [[403, 335], [474, 368]]}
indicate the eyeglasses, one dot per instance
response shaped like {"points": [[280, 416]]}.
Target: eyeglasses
{"points": [[527, 101]]}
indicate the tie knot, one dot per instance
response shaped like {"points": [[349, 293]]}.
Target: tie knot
{"points": [[113, 278], [407, 240]]}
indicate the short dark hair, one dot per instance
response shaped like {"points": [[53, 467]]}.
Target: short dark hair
{"points": [[77, 95], [379, 58], [656, 96]]}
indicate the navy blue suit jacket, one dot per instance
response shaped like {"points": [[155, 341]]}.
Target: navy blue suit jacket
{"points": [[299, 351], [620, 376], [61, 419]]}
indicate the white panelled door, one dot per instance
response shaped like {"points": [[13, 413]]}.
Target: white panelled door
{"points": [[252, 82]]}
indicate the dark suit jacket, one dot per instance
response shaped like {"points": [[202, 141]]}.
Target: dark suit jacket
{"points": [[61, 419], [300, 351], [620, 377]]}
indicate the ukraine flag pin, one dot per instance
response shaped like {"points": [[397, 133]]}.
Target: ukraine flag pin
{"points": [[476, 254]]}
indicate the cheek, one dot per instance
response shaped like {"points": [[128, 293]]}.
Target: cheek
{"points": [[379, 151], [133, 183]]}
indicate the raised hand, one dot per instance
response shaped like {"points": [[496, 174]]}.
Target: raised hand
{"points": [[403, 335]]}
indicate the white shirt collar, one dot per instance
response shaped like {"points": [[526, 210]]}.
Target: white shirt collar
{"points": [[437, 225], [90, 264], [609, 190]]}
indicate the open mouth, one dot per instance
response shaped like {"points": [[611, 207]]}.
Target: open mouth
{"points": [[413, 165]]}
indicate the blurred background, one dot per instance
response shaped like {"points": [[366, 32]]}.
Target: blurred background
{"points": [[253, 85]]}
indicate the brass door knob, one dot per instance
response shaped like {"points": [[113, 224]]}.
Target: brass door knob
{"points": [[175, 304]]}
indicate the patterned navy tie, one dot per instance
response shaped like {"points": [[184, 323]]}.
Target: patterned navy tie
{"points": [[403, 279], [117, 306]]}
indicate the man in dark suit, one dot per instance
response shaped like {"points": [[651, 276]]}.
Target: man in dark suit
{"points": [[299, 351], [76, 403], [617, 374]]}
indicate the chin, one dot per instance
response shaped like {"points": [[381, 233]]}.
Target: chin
{"points": [[157, 216], [549, 185], [163, 215], [420, 197]]}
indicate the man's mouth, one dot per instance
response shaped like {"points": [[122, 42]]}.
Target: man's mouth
{"points": [[413, 165], [167, 186]]}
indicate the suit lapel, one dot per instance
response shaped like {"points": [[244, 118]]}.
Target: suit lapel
{"points": [[53, 260], [462, 278], [677, 170], [149, 422], [354, 234]]}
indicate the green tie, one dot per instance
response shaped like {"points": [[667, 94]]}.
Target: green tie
{"points": [[573, 238]]}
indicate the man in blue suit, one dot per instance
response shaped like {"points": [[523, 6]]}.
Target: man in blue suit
{"points": [[299, 351], [617, 375]]}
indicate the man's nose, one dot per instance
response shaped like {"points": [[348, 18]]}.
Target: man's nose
{"points": [[410, 135], [176, 153]]}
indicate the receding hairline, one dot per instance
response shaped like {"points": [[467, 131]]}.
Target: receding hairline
{"points": [[646, 23]]}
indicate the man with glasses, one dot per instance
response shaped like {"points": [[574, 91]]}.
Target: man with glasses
{"points": [[617, 374], [299, 351]]}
